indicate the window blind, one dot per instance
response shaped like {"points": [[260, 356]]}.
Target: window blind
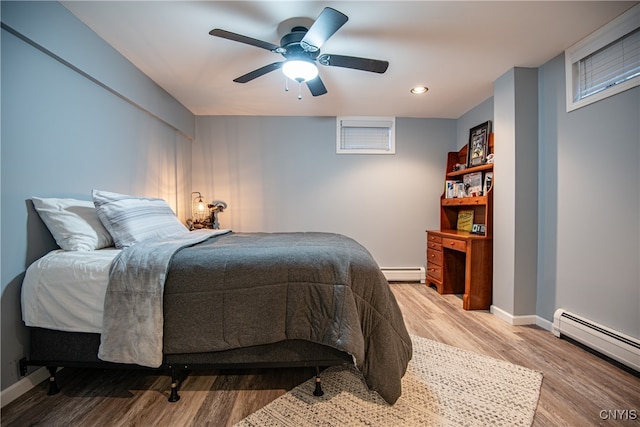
{"points": [[612, 65], [605, 63]]}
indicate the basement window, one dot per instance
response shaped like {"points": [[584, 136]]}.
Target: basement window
{"points": [[366, 135], [605, 63]]}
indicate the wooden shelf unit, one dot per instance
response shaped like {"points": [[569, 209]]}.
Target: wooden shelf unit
{"points": [[458, 261]]}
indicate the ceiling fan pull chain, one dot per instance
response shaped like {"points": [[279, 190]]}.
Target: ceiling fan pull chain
{"points": [[286, 84], [299, 90]]}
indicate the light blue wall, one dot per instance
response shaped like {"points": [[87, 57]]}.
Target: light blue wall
{"points": [[589, 201], [283, 174], [54, 29], [476, 116], [63, 134], [588, 204], [515, 209]]}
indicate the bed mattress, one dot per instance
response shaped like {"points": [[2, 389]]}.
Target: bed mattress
{"points": [[70, 296]]}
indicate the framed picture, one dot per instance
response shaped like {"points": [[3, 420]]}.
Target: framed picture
{"points": [[478, 229], [465, 219], [488, 181], [478, 144], [473, 184], [450, 189]]}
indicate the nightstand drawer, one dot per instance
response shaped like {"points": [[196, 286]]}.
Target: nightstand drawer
{"points": [[458, 245], [434, 256], [434, 271]]}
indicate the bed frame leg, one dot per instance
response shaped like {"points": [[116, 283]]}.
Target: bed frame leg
{"points": [[318, 391], [174, 397], [53, 386]]}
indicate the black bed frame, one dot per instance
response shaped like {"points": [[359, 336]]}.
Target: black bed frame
{"points": [[55, 349]]}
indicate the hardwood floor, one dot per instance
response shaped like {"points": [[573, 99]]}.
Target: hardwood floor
{"points": [[579, 388]]}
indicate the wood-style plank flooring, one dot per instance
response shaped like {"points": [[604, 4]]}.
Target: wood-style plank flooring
{"points": [[577, 385]]}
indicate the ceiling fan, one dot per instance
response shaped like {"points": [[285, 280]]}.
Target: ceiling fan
{"points": [[301, 50]]}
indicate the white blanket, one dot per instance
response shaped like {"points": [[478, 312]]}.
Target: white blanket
{"points": [[133, 318]]}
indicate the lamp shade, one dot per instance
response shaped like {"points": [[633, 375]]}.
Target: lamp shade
{"points": [[300, 70], [199, 209]]}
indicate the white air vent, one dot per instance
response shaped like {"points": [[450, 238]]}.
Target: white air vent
{"points": [[404, 274], [366, 135], [618, 346]]}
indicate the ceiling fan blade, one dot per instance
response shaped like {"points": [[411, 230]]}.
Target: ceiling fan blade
{"points": [[364, 64], [259, 72], [244, 39], [316, 87], [328, 22]]}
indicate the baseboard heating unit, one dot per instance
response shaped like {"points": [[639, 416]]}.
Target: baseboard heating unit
{"points": [[404, 274], [613, 344]]}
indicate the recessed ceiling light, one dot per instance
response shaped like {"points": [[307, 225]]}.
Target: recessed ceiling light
{"points": [[419, 90]]}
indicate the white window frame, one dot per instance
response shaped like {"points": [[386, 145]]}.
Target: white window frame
{"points": [[366, 123], [609, 33]]}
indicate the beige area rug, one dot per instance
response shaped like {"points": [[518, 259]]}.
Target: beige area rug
{"points": [[443, 386]]}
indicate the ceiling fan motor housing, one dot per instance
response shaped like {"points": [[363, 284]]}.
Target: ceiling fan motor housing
{"points": [[292, 47]]}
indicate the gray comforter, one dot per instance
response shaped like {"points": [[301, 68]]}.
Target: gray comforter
{"points": [[244, 289]]}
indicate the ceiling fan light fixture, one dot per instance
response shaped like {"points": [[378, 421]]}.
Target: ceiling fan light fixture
{"points": [[300, 70]]}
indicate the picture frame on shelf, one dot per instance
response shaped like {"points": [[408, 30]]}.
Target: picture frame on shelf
{"points": [[478, 144], [478, 229], [465, 219], [450, 189], [473, 184], [488, 181]]}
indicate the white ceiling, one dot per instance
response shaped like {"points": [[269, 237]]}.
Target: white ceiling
{"points": [[456, 48]]}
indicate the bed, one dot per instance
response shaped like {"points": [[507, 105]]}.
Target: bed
{"points": [[146, 294]]}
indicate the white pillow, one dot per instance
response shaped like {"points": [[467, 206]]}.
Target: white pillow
{"points": [[132, 219], [73, 223]]}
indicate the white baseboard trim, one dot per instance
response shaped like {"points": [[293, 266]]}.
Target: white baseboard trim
{"points": [[544, 323], [530, 319], [16, 390]]}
